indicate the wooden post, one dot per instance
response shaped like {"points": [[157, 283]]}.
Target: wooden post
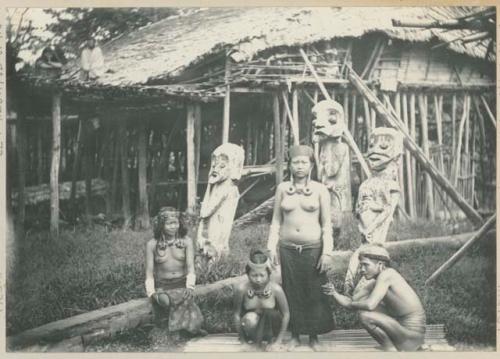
{"points": [[294, 125], [413, 135], [54, 167], [425, 147], [21, 144], [457, 156], [39, 149], [125, 175], [409, 173], [193, 117], [197, 142], [295, 115], [490, 223], [116, 167], [74, 173], [277, 140], [415, 150], [346, 109], [453, 119], [353, 115], [227, 102], [142, 220]]}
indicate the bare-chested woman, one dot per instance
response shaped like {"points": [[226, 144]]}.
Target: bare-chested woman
{"points": [[301, 228], [170, 275], [392, 312], [261, 311]]}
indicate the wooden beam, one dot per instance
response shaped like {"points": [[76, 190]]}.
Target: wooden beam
{"points": [[193, 117], [227, 102], [490, 223], [422, 105], [410, 144], [54, 168], [347, 135]]}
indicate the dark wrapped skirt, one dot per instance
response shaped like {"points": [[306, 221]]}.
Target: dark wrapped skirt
{"points": [[268, 327], [310, 311]]}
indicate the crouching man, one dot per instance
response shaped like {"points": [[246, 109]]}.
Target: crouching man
{"points": [[391, 312]]}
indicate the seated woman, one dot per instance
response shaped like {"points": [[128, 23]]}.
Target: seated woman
{"points": [[170, 276], [261, 311]]}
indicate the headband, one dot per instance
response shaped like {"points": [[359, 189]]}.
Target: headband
{"points": [[266, 264], [300, 150]]}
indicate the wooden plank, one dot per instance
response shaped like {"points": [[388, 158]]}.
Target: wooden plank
{"points": [[54, 168], [429, 167]]}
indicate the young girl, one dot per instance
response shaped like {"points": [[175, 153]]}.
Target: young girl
{"points": [[170, 275], [260, 307]]}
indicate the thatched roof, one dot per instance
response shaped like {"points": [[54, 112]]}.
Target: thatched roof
{"points": [[165, 49]]}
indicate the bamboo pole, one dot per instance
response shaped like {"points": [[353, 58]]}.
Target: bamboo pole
{"points": [[193, 116], [347, 135], [409, 173], [415, 150], [490, 223], [490, 114], [76, 161], [197, 141], [457, 157], [125, 175], [293, 122], [346, 109], [482, 134], [453, 119], [227, 102], [54, 168], [353, 115], [116, 169], [277, 139], [425, 147], [368, 121], [87, 160]]}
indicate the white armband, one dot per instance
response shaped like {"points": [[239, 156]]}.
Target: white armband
{"points": [[150, 287], [274, 236], [190, 280]]}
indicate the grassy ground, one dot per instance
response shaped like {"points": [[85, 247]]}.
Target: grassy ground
{"points": [[87, 269]]}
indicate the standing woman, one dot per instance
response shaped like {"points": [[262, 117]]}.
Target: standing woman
{"points": [[170, 275], [301, 229]]}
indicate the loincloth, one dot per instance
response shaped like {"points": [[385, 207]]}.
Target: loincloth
{"points": [[414, 321]]}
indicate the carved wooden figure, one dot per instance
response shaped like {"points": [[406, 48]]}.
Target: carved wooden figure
{"points": [[221, 199], [333, 158], [379, 194]]}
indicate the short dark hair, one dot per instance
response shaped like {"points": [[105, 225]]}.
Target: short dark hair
{"points": [[257, 256]]}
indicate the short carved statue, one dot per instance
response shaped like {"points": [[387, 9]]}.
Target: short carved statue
{"points": [[333, 159], [221, 199], [378, 195]]}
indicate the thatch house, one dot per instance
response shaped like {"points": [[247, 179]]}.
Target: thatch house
{"points": [[176, 89]]}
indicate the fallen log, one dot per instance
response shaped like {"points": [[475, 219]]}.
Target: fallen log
{"points": [[41, 193], [74, 333]]}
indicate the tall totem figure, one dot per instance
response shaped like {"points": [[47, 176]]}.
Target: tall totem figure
{"points": [[378, 195], [221, 199], [333, 159]]}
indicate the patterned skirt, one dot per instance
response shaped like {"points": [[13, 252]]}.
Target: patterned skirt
{"points": [[181, 314]]}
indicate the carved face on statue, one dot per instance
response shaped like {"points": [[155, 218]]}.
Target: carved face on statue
{"points": [[385, 144], [328, 120], [227, 162]]}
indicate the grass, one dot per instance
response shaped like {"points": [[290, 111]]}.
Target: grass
{"points": [[88, 268]]}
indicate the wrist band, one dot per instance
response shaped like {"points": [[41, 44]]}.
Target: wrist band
{"points": [[190, 281], [150, 287]]}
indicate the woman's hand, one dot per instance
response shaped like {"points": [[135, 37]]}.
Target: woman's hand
{"points": [[329, 288], [323, 263], [188, 293]]}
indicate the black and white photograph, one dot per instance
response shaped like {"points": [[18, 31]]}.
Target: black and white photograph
{"points": [[250, 179]]}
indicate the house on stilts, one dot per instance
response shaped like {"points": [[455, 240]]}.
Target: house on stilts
{"points": [[178, 88]]}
